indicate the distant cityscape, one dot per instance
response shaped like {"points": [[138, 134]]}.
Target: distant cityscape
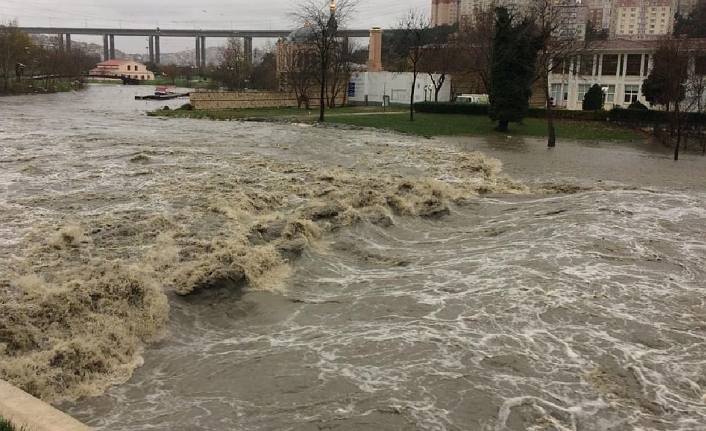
{"points": [[625, 19]]}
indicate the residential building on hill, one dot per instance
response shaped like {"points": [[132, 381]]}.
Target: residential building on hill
{"points": [[642, 19], [445, 12], [122, 68]]}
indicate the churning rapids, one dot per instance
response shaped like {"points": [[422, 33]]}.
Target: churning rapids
{"points": [[175, 274]]}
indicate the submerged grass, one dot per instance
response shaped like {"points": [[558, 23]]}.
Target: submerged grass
{"points": [[396, 119], [293, 113], [6, 425], [467, 125]]}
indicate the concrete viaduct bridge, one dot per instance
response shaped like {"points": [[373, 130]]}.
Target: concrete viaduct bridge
{"points": [[64, 34]]}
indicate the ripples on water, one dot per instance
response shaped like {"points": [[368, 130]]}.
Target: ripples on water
{"points": [[414, 304]]}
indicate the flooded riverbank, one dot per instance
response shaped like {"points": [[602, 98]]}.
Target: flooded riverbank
{"points": [[320, 277]]}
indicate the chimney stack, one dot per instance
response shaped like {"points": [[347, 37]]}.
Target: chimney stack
{"points": [[375, 50]]}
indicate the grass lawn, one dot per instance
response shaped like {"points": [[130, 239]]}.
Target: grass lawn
{"points": [[397, 119], [446, 124]]}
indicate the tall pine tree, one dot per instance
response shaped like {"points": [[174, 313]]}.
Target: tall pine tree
{"points": [[515, 48]]}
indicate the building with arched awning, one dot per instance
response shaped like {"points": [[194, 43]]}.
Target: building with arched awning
{"points": [[122, 68]]}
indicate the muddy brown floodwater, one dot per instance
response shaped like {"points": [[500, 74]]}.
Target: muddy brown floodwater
{"points": [[175, 274]]}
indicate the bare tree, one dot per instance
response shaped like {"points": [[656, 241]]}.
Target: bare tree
{"points": [[298, 71], [476, 46], [14, 50], [562, 36], [696, 87], [439, 60], [234, 69], [666, 83], [324, 23], [339, 72], [413, 34]]}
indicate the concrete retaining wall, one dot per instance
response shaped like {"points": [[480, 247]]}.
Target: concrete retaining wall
{"points": [[218, 100], [242, 100], [21, 408]]}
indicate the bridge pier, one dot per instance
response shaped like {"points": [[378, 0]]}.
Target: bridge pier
{"points": [[60, 40], [197, 63], [68, 42], [105, 48], [112, 47], [151, 39], [345, 45], [203, 51], [247, 47], [156, 50]]}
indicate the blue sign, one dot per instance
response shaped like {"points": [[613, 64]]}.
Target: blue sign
{"points": [[351, 89]]}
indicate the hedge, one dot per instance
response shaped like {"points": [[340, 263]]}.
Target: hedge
{"points": [[451, 108], [615, 114], [475, 109], [650, 116]]}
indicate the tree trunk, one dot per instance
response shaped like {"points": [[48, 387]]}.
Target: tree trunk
{"points": [[676, 147], [551, 134], [322, 98], [411, 98], [502, 126]]}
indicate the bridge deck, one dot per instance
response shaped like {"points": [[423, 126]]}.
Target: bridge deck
{"points": [[176, 33]]}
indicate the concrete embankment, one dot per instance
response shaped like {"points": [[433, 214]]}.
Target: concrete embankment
{"points": [[22, 408]]}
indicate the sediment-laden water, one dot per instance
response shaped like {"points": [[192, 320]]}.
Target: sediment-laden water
{"points": [[186, 274]]}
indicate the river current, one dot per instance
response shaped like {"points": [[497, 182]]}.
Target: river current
{"points": [[175, 274]]}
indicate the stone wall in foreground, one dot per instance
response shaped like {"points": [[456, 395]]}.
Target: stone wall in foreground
{"points": [[22, 409]]}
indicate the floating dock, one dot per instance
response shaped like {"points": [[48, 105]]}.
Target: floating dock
{"points": [[162, 96]]}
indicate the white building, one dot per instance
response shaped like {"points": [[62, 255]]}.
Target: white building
{"points": [[371, 88], [619, 66]]}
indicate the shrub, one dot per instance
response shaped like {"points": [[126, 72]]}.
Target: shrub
{"points": [[593, 100], [186, 107], [637, 105]]}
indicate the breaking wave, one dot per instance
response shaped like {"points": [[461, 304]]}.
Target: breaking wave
{"points": [[83, 294]]}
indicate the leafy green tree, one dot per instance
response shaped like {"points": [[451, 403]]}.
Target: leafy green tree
{"points": [[593, 100], [515, 48]]}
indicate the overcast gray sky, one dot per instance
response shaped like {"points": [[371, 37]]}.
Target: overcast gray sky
{"points": [[222, 14]]}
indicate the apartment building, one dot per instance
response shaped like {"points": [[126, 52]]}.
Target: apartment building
{"points": [[599, 12], [642, 19], [445, 12]]}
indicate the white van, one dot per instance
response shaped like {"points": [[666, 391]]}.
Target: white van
{"points": [[481, 99]]}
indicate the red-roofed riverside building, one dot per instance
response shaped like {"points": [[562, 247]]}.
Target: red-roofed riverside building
{"points": [[124, 68]]}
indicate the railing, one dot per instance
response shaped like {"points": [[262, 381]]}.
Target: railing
{"points": [[663, 136]]}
